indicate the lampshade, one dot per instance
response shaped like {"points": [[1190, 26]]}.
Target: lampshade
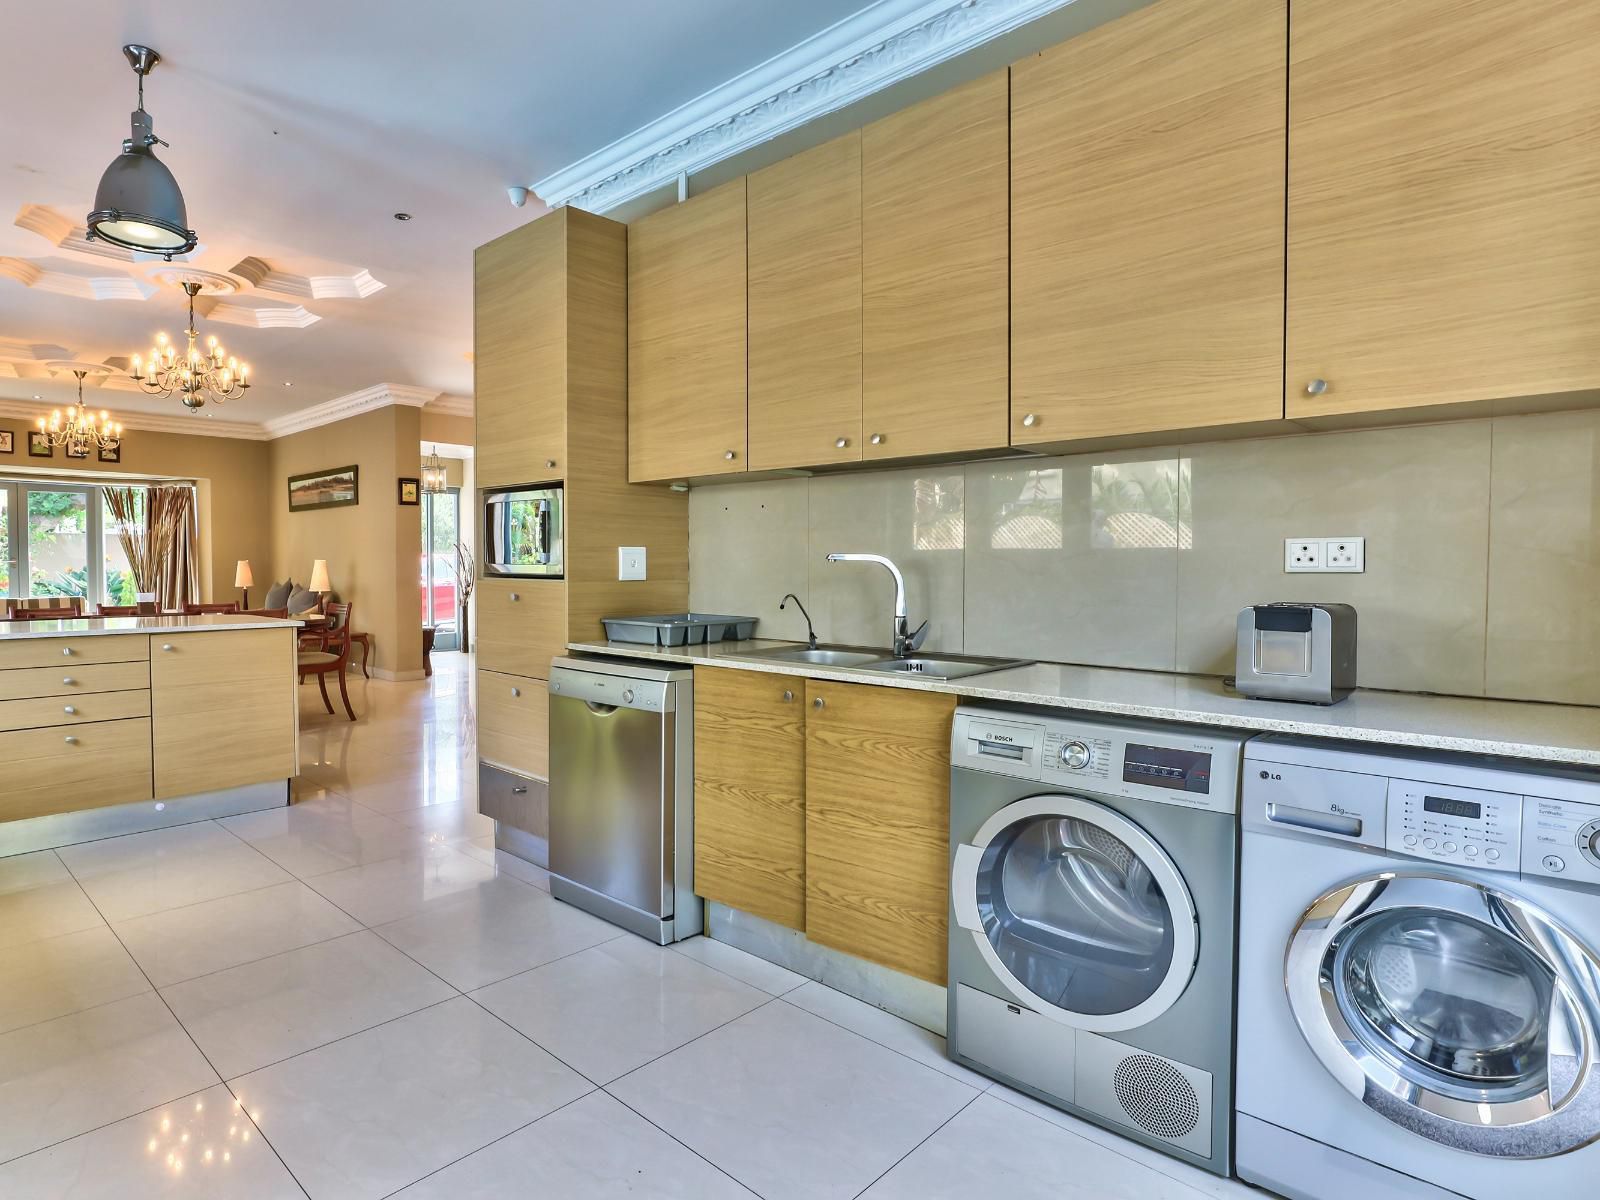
{"points": [[319, 577], [242, 578], [138, 204]]}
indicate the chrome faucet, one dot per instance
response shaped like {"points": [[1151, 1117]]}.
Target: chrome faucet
{"points": [[906, 640]]}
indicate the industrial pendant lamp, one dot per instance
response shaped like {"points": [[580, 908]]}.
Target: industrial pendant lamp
{"points": [[138, 205]]}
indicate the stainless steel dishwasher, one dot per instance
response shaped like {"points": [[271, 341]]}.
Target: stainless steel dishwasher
{"points": [[622, 794]]}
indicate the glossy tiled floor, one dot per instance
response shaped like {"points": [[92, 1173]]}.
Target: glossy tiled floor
{"points": [[359, 997]]}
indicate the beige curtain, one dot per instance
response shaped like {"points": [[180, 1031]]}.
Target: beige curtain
{"points": [[170, 521]]}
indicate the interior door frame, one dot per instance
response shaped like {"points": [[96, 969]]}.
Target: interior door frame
{"points": [[428, 499]]}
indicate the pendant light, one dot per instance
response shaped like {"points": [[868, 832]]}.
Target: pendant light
{"points": [[434, 477], [138, 205]]}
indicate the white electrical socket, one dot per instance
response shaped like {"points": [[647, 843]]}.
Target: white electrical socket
{"points": [[630, 562], [1336, 555], [1346, 555], [1302, 554]]}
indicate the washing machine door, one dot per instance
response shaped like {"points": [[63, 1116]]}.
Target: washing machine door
{"points": [[1456, 1010], [1078, 912]]}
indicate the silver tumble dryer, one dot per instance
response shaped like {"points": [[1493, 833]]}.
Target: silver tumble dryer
{"points": [[1093, 872]]}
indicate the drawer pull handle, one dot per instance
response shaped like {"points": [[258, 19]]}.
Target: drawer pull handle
{"points": [[519, 791], [549, 464], [69, 710], [515, 597], [71, 741], [167, 647], [841, 443], [788, 696], [516, 691], [819, 702], [1316, 387], [66, 651], [68, 681], [877, 439]]}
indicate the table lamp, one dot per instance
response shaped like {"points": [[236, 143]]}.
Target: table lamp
{"points": [[243, 580], [319, 580]]}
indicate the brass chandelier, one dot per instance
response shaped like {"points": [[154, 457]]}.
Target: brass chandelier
{"points": [[78, 430], [434, 478], [197, 376]]}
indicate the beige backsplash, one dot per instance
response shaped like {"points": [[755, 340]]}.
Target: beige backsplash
{"points": [[1483, 552]]}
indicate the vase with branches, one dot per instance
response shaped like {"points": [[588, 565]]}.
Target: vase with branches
{"points": [[466, 578], [146, 544]]}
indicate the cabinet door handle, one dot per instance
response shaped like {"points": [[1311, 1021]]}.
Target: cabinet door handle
{"points": [[729, 455], [519, 790], [788, 696], [1316, 387], [876, 439], [68, 681], [1030, 420], [549, 464], [167, 647], [841, 443], [66, 651], [71, 741], [516, 691], [69, 710], [515, 597], [819, 702]]}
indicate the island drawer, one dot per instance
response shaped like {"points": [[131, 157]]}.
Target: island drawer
{"points": [[58, 651], [92, 765], [49, 711], [74, 680]]}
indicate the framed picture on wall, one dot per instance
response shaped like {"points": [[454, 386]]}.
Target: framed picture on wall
{"points": [[8, 442], [76, 451], [410, 491], [324, 489], [112, 455], [39, 445]]}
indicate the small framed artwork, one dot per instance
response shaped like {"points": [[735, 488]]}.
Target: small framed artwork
{"points": [[410, 490], [8, 442], [114, 454], [39, 444], [76, 451], [332, 488]]}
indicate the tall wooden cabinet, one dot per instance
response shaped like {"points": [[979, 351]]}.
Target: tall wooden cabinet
{"points": [[936, 274], [686, 338], [805, 308], [1147, 198], [1444, 203]]}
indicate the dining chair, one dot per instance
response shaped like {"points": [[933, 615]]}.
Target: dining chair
{"points": [[280, 613], [333, 656], [43, 608], [194, 610], [117, 610]]}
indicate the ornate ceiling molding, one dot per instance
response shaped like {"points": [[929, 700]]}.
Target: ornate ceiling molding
{"points": [[293, 316], [66, 283], [887, 42], [62, 232], [452, 406], [358, 285], [380, 395]]}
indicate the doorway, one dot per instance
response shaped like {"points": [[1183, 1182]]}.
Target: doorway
{"points": [[441, 530]]}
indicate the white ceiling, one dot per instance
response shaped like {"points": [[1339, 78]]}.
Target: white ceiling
{"points": [[297, 128]]}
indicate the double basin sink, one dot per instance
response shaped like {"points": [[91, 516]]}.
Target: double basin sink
{"points": [[880, 662]]}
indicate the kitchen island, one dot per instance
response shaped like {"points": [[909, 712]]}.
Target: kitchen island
{"points": [[112, 725]]}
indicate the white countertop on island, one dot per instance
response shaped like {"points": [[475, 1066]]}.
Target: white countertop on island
{"points": [[11, 631], [1556, 733]]}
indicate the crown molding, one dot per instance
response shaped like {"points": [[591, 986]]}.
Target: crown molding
{"points": [[865, 53], [342, 408], [448, 405], [192, 424]]}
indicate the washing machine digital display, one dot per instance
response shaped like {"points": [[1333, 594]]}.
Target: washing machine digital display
{"points": [[1448, 806], [1158, 766]]}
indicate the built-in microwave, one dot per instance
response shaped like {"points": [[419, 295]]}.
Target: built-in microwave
{"points": [[522, 531]]}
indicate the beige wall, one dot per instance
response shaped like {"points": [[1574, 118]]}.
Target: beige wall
{"points": [[372, 547], [442, 427], [1483, 552], [231, 489]]}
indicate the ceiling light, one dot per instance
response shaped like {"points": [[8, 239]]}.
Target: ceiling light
{"points": [[288, 383], [80, 431], [434, 477], [138, 205], [199, 375]]}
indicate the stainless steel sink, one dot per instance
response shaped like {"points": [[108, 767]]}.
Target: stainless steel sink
{"points": [[924, 666]]}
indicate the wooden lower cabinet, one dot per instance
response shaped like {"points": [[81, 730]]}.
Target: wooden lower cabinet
{"points": [[514, 723], [223, 709], [878, 824], [522, 625], [750, 793], [92, 765]]}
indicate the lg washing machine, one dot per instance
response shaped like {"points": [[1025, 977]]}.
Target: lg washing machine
{"points": [[1092, 923]]}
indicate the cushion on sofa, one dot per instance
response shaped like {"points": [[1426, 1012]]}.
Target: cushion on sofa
{"points": [[278, 594], [301, 601]]}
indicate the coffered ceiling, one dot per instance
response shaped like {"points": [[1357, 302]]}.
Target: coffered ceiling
{"points": [[297, 129]]}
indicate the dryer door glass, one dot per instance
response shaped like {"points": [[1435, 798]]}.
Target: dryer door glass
{"points": [[1075, 914]]}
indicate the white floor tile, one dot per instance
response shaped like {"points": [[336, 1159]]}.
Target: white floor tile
{"points": [[453, 822], [214, 935], [484, 849], [143, 873], [884, 1028], [793, 1107], [40, 899], [987, 1151], [494, 931], [249, 1016], [367, 1115], [747, 968], [42, 980], [380, 892], [68, 1076], [614, 1007], [593, 1149], [191, 1149], [309, 844]]}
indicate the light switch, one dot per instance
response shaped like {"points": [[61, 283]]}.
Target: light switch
{"points": [[630, 562]]}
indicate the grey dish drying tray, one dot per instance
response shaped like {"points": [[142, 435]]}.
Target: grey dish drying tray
{"points": [[678, 629]]}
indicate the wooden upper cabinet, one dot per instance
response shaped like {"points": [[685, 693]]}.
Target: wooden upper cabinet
{"points": [[1147, 212], [936, 320], [878, 824], [749, 798], [1444, 203], [519, 354], [805, 308], [686, 338]]}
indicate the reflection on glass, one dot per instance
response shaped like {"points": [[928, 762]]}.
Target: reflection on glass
{"points": [[5, 543], [1141, 506], [58, 543], [938, 516], [1027, 512]]}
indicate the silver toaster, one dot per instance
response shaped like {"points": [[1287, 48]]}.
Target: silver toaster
{"points": [[1297, 652]]}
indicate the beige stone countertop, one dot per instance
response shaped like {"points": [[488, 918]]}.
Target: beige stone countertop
{"points": [[11, 631], [1555, 733]]}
